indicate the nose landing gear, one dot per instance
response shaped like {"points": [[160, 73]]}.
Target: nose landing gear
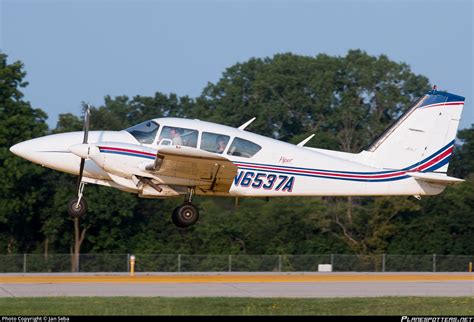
{"points": [[187, 214], [77, 207]]}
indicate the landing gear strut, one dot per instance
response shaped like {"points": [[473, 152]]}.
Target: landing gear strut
{"points": [[77, 207], [187, 214]]}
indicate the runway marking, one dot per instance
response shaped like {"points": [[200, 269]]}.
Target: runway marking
{"points": [[51, 279]]}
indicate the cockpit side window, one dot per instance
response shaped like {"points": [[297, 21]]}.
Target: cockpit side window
{"points": [[179, 136], [145, 132], [243, 148], [213, 142]]}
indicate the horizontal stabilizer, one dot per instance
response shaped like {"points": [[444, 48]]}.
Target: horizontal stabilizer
{"points": [[435, 178]]}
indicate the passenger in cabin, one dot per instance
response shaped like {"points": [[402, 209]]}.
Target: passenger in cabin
{"points": [[221, 143]]}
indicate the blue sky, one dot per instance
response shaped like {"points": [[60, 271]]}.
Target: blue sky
{"points": [[77, 51]]}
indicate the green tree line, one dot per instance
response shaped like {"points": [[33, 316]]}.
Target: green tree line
{"points": [[345, 100]]}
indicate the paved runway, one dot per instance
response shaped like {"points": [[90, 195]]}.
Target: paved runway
{"points": [[239, 285]]}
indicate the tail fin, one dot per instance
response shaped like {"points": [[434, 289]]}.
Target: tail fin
{"points": [[422, 138]]}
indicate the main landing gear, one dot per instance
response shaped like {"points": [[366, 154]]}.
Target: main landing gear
{"points": [[187, 214], [77, 207]]}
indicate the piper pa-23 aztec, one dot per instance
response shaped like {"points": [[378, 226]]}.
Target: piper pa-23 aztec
{"points": [[169, 157]]}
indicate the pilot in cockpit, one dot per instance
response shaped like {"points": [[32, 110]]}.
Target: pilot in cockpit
{"points": [[175, 137]]}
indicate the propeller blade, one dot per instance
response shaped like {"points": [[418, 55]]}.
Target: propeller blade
{"points": [[86, 123], [79, 178], [84, 141]]}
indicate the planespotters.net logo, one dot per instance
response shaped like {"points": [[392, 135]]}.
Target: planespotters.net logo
{"points": [[437, 319]]}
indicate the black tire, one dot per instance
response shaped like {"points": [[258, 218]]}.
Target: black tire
{"points": [[173, 218], [78, 211], [185, 215]]}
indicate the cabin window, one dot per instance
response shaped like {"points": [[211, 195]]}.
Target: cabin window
{"points": [[213, 142], [144, 132], [179, 136], [243, 148]]}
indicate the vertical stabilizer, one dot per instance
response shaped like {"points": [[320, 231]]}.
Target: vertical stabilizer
{"points": [[422, 138]]}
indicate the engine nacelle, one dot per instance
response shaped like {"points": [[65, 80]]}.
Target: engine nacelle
{"points": [[126, 166]]}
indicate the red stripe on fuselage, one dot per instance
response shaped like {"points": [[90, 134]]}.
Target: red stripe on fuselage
{"points": [[422, 167], [342, 175], [328, 173], [434, 160], [126, 150], [442, 104]]}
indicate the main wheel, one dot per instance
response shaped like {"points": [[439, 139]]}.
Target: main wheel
{"points": [[185, 215], [77, 210], [173, 217]]}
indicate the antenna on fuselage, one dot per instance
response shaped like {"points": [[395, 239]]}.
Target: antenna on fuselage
{"points": [[302, 143], [243, 126]]}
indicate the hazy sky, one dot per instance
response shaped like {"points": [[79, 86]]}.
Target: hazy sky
{"points": [[77, 51]]}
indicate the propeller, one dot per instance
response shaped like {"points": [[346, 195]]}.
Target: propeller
{"points": [[84, 141]]}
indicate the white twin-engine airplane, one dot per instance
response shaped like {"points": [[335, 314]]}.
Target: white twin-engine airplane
{"points": [[169, 157]]}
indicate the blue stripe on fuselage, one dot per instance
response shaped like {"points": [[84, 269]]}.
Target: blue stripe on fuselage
{"points": [[326, 177], [289, 168], [129, 154]]}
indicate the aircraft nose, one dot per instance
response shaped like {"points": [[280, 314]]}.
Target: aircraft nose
{"points": [[40, 150], [50, 151], [22, 149]]}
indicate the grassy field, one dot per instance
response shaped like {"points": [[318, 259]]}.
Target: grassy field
{"points": [[236, 306]]}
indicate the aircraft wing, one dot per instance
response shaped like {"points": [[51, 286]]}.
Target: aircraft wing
{"points": [[211, 172]]}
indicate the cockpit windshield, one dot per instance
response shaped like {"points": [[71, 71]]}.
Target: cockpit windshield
{"points": [[144, 132]]}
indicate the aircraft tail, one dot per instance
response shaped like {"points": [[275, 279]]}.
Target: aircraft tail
{"points": [[422, 139]]}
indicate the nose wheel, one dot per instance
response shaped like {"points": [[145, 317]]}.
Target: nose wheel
{"points": [[77, 207], [187, 214]]}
